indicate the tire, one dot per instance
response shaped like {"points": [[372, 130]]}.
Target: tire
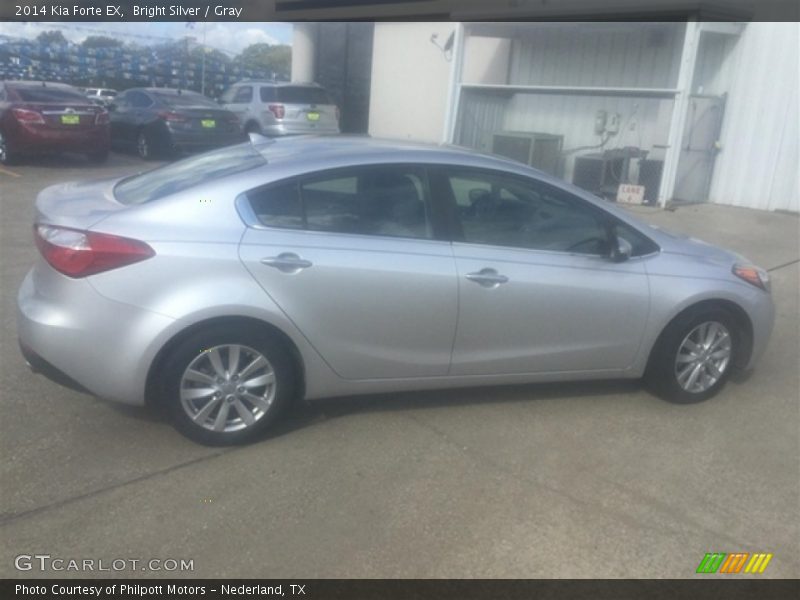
{"points": [[219, 419], [144, 145], [7, 155], [694, 356], [252, 127], [98, 158]]}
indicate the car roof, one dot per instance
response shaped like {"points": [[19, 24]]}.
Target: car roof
{"points": [[36, 84], [321, 151]]}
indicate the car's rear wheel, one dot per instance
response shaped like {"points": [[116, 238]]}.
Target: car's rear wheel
{"points": [[694, 356], [227, 385], [7, 155], [252, 127]]}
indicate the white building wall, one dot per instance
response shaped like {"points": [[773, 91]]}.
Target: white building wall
{"points": [[411, 75], [759, 162]]}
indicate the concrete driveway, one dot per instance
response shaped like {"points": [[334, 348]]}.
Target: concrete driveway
{"points": [[578, 480]]}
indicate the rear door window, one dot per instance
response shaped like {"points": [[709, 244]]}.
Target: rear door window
{"points": [[243, 95], [385, 201]]}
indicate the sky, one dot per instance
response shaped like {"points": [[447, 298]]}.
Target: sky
{"points": [[231, 38]]}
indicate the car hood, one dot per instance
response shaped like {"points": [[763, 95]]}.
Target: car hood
{"points": [[675, 243]]}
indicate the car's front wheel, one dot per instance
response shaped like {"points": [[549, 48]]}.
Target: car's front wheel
{"points": [[227, 385], [694, 356]]}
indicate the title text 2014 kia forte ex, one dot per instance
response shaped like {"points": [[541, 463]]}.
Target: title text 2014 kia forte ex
{"points": [[229, 284]]}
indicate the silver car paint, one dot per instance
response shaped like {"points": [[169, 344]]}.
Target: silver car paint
{"points": [[207, 265]]}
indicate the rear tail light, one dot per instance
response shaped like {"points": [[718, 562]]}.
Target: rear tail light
{"points": [[173, 117], [23, 115], [753, 275], [77, 253], [101, 118], [279, 110]]}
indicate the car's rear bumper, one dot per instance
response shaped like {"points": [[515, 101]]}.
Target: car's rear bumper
{"points": [[77, 337], [36, 139], [289, 129]]}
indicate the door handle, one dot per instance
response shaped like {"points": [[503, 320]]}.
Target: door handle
{"points": [[487, 278], [286, 262]]}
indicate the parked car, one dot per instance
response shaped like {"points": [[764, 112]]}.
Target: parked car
{"points": [[102, 96], [229, 284], [161, 122], [276, 109], [38, 117]]}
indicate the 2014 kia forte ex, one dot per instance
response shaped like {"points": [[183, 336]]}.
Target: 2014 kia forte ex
{"points": [[230, 284]]}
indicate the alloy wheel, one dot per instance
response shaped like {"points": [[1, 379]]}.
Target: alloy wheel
{"points": [[703, 357], [228, 388]]}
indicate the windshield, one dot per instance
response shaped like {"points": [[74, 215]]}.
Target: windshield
{"points": [[302, 95], [186, 100], [188, 173]]}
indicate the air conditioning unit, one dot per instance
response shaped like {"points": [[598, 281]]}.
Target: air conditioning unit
{"points": [[539, 150]]}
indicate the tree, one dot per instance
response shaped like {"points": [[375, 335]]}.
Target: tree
{"points": [[276, 59], [51, 37], [101, 41]]}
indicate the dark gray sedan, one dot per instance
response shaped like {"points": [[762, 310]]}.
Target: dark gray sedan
{"points": [[162, 122]]}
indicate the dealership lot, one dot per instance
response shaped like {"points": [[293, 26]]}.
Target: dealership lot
{"points": [[568, 480]]}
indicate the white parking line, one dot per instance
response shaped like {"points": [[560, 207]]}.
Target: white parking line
{"points": [[11, 173]]}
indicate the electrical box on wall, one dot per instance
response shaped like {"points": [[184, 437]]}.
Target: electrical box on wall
{"points": [[612, 125], [600, 122]]}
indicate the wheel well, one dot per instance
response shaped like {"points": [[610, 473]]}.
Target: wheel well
{"points": [[252, 125], [152, 390], [740, 318]]}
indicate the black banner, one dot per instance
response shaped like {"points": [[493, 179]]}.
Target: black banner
{"points": [[396, 10], [404, 589]]}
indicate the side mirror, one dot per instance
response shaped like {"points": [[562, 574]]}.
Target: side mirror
{"points": [[621, 250]]}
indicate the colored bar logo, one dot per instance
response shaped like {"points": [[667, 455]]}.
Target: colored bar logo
{"points": [[734, 562]]}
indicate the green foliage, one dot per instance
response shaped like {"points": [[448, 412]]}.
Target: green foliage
{"points": [[276, 59], [52, 36], [101, 41]]}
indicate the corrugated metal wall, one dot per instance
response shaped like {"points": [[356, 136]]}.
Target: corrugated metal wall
{"points": [[645, 55], [480, 115], [631, 55], [759, 162]]}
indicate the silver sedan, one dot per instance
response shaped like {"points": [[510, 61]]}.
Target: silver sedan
{"points": [[227, 285]]}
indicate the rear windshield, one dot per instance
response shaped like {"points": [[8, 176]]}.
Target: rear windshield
{"points": [[186, 100], [296, 94], [45, 94], [191, 172]]}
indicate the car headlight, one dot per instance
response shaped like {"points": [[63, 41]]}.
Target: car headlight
{"points": [[753, 275]]}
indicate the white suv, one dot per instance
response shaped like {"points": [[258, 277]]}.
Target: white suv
{"points": [[276, 109], [101, 95]]}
